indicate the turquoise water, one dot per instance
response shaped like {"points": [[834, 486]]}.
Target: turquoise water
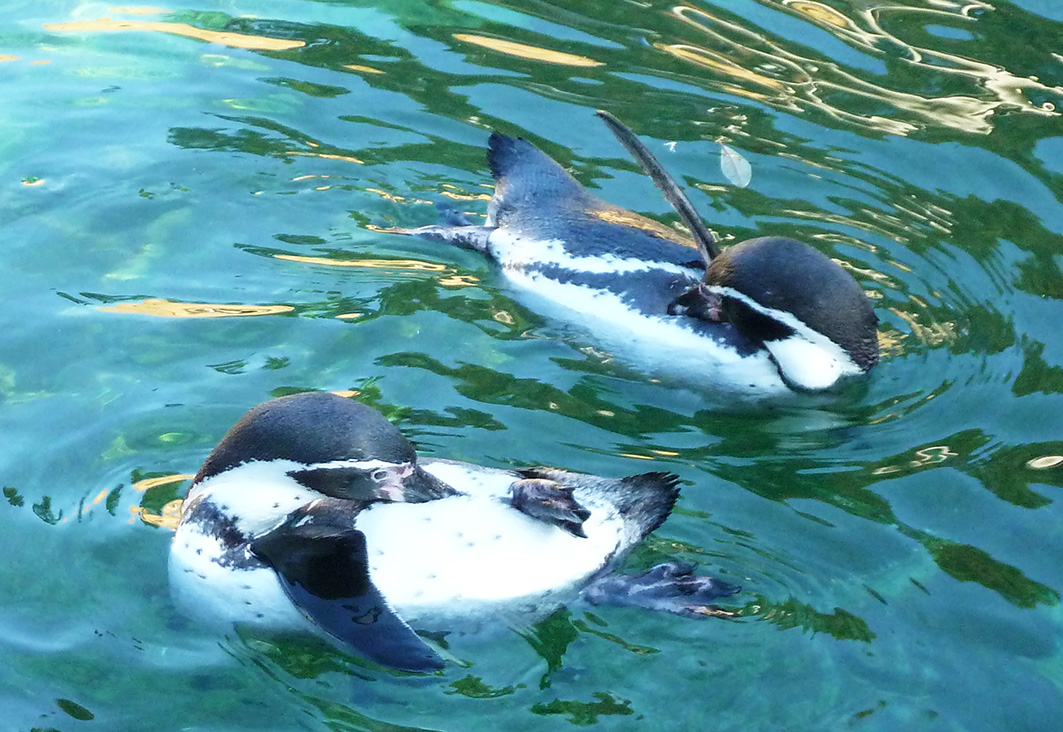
{"points": [[897, 543]]}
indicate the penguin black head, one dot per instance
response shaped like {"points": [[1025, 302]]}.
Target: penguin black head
{"points": [[811, 315], [349, 450]]}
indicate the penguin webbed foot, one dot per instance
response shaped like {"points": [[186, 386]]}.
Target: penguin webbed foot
{"points": [[551, 502], [672, 587], [697, 302]]}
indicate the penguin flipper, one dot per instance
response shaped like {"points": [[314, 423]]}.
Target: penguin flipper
{"points": [[466, 237], [666, 183], [672, 587], [324, 569]]}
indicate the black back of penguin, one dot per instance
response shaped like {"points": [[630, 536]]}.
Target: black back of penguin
{"points": [[535, 197]]}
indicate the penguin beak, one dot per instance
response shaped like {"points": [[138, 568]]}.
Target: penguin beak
{"points": [[421, 486], [379, 481]]}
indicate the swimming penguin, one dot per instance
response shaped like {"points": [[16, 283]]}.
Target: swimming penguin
{"points": [[314, 513], [766, 314]]}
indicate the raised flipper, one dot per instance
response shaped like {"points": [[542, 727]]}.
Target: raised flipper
{"points": [[696, 302], [672, 587], [549, 501], [671, 190], [323, 566]]}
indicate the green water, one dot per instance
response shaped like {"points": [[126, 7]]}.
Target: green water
{"points": [[898, 543]]}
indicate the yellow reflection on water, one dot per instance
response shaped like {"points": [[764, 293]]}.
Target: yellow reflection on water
{"points": [[820, 12], [363, 69], [794, 81], [4, 57], [933, 334], [459, 281], [635, 456], [225, 38], [347, 393], [718, 63], [404, 264], [452, 279], [521, 50], [168, 518], [168, 309], [326, 156], [148, 483]]}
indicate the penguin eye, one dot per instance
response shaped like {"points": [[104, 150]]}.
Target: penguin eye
{"points": [[379, 475]]}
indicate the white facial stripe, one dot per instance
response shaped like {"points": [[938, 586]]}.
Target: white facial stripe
{"points": [[514, 251], [259, 494], [365, 465], [808, 359]]}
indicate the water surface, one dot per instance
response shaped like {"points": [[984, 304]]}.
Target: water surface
{"points": [[194, 203]]}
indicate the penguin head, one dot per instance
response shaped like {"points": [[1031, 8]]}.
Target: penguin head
{"points": [[339, 448], [812, 316]]}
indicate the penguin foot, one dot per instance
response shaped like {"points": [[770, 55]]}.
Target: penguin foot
{"points": [[549, 501], [671, 587]]}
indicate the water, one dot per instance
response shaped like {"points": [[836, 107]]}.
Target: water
{"points": [[897, 544]]}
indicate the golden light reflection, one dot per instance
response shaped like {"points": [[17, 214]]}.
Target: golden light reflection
{"points": [[148, 483], [347, 393], [459, 281], [452, 279], [719, 63], [363, 69], [168, 518], [521, 50], [796, 82], [169, 309], [456, 196], [403, 264], [5, 57], [325, 156], [933, 334], [224, 38]]}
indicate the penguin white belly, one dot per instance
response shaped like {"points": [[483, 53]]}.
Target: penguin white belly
{"points": [[473, 555], [221, 595], [660, 344]]}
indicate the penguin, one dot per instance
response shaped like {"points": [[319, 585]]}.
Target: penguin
{"points": [[767, 315], [314, 513]]}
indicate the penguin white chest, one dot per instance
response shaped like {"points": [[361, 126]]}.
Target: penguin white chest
{"points": [[469, 555]]}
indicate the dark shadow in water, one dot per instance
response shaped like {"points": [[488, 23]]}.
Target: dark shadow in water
{"points": [[583, 714]]}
